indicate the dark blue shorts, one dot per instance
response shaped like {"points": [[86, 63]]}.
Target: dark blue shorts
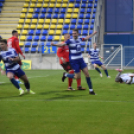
{"points": [[78, 65], [99, 63], [17, 72]]}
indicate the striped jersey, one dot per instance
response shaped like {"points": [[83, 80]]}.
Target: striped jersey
{"points": [[5, 55], [125, 77], [74, 48], [94, 54]]}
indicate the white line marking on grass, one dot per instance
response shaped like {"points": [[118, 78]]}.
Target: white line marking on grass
{"points": [[38, 76], [2, 82]]}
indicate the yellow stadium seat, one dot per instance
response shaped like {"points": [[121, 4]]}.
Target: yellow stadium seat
{"points": [[60, 21], [40, 0], [51, 5], [19, 26], [41, 21], [71, 5], [67, 20], [26, 26], [64, 5], [24, 10], [29, 15], [56, 38], [27, 0], [58, 32], [32, 5], [21, 44], [59, 26], [54, 21], [18, 31], [23, 38], [75, 15], [58, 5], [59, 0], [39, 5], [34, 21], [52, 0], [24, 32], [62, 38], [45, 5], [76, 10], [21, 21], [47, 21], [33, 26], [52, 26], [69, 10], [65, 0], [68, 16], [40, 26], [22, 15], [31, 10], [34, 1], [28, 21], [46, 26], [51, 32], [46, 0], [26, 5]]}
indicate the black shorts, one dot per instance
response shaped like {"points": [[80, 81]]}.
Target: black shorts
{"points": [[66, 66]]}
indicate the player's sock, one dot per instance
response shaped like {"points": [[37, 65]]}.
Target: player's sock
{"points": [[78, 82], [69, 75], [70, 82], [15, 83], [27, 85], [89, 84], [16, 77], [106, 72], [97, 69]]}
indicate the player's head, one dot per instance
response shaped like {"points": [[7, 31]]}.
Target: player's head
{"points": [[15, 33], [66, 36], [3, 44], [94, 45], [119, 80], [75, 33]]}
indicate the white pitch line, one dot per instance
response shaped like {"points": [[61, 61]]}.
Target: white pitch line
{"points": [[38, 76]]}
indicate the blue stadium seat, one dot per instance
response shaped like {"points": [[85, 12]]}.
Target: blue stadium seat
{"points": [[50, 10], [88, 10], [86, 21], [56, 10], [1, 5], [37, 10], [91, 31], [63, 10], [61, 16], [43, 10], [82, 10], [29, 38], [80, 21], [87, 49], [82, 49], [36, 38], [66, 26], [83, 5], [90, 0], [73, 21], [42, 15], [95, 5], [85, 27], [26, 49], [65, 31], [90, 5], [72, 26], [35, 15], [71, 31], [92, 21], [84, 1], [31, 32], [48, 43], [48, 16], [94, 11], [93, 17], [78, 1], [91, 26], [33, 50], [34, 44], [96, 0], [55, 16], [87, 16], [44, 32], [38, 32], [50, 38], [43, 38], [2, 0], [79, 26], [27, 44], [77, 5], [41, 44], [71, 0], [81, 16], [0, 10], [85, 32], [83, 44]]}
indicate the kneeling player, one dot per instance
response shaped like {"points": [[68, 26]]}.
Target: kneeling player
{"points": [[94, 58], [10, 59]]}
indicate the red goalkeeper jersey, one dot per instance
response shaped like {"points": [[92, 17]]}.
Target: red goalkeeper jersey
{"points": [[13, 42], [63, 53]]}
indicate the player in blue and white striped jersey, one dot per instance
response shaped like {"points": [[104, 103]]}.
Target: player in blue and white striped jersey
{"points": [[76, 59], [95, 59], [11, 59]]}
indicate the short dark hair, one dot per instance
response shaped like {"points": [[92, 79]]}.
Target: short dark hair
{"points": [[0, 37], [13, 32], [76, 30], [3, 41]]}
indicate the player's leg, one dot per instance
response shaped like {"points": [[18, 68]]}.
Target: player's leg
{"points": [[97, 69], [10, 75], [70, 80], [105, 70]]}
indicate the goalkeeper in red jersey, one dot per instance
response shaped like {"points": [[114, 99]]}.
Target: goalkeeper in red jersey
{"points": [[13, 42], [63, 54]]}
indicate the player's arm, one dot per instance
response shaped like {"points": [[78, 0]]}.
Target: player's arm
{"points": [[88, 55], [89, 36], [1, 70], [16, 59], [58, 44]]}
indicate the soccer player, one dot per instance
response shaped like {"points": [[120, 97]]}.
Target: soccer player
{"points": [[13, 42], [63, 54], [76, 58], [127, 78], [10, 59], [94, 58]]}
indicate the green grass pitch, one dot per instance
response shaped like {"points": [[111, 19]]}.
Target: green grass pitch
{"points": [[53, 110]]}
